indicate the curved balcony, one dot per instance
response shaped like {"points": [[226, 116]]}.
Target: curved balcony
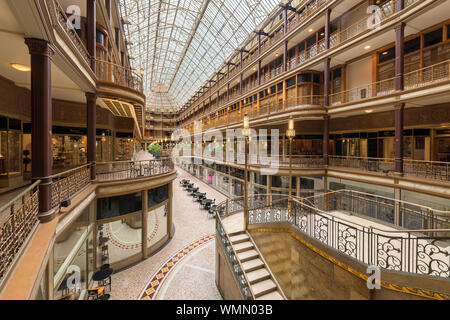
{"points": [[126, 170]]}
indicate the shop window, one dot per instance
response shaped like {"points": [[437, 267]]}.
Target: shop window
{"points": [[316, 78], [158, 195], [305, 77], [311, 41], [386, 55], [273, 90], [280, 87], [117, 206], [412, 45], [100, 37], [290, 82], [432, 38]]}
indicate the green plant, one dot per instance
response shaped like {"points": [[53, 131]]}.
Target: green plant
{"points": [[155, 148]]}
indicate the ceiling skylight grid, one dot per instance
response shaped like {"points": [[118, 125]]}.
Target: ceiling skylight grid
{"points": [[181, 43]]}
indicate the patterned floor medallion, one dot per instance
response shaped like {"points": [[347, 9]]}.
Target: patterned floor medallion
{"points": [[157, 280]]}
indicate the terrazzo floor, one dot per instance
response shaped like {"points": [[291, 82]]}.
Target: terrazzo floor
{"points": [[184, 268]]}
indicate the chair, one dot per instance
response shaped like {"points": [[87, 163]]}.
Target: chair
{"points": [[105, 266], [94, 293], [105, 253], [212, 211]]}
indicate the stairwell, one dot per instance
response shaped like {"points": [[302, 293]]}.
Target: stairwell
{"points": [[261, 280]]}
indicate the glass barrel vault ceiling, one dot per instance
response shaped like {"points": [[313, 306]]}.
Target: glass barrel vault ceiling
{"points": [[180, 43]]}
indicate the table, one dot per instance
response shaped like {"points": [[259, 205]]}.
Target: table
{"points": [[101, 275]]}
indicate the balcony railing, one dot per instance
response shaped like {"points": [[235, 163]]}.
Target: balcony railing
{"points": [[239, 274], [421, 251], [416, 79], [124, 170], [18, 218], [427, 76], [119, 75], [423, 169], [63, 26], [67, 184]]}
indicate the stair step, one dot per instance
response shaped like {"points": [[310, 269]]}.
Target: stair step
{"points": [[263, 287], [247, 255], [238, 239], [243, 246], [252, 265], [274, 295], [258, 275]]}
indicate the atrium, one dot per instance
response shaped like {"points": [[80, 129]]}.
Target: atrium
{"points": [[224, 150]]}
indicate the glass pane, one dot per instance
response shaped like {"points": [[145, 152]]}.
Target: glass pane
{"points": [[119, 240], [121, 205], [68, 240], [156, 225]]}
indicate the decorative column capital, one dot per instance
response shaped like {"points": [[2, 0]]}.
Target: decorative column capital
{"points": [[399, 26], [39, 47], [91, 97]]}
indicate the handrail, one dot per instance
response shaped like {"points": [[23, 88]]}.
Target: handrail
{"points": [[20, 195], [124, 170], [406, 250], [15, 230], [226, 243], [443, 212], [56, 175]]}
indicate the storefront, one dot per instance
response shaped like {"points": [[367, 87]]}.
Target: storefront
{"points": [[10, 149]]}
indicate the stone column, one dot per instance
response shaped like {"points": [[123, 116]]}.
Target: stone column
{"points": [[327, 28], [41, 118], [326, 138], [399, 109], [91, 106], [91, 30], [398, 144]]}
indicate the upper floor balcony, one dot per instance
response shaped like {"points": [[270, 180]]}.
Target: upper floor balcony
{"points": [[19, 216]]}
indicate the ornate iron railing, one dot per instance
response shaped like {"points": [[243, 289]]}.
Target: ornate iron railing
{"points": [[67, 184], [421, 251], [123, 170], [117, 74], [18, 219], [239, 274], [409, 215]]}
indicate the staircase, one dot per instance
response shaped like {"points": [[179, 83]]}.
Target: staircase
{"points": [[262, 283]]}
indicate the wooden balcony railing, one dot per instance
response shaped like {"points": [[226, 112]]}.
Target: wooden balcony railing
{"points": [[119, 75], [67, 184], [18, 219], [124, 170]]}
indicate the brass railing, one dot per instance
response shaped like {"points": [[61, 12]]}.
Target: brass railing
{"points": [[18, 218], [117, 74], [123, 170], [67, 184]]}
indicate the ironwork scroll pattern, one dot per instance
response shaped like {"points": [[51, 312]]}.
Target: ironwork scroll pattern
{"points": [[16, 228]]}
